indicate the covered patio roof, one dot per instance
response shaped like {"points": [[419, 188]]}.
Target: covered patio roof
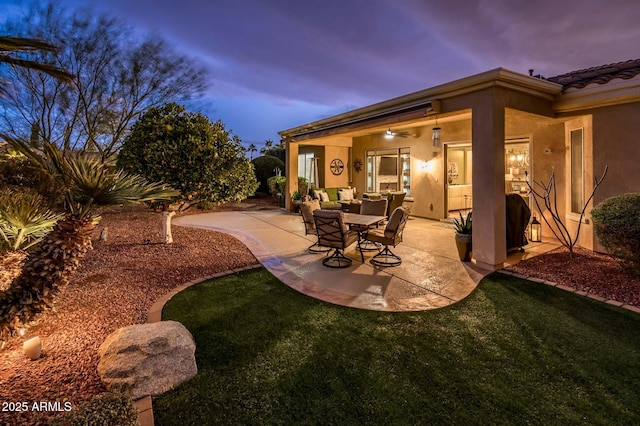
{"points": [[423, 104]]}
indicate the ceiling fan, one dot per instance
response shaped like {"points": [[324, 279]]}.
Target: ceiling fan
{"points": [[390, 135]]}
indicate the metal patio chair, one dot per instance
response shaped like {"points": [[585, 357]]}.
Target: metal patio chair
{"points": [[306, 210], [334, 234], [391, 235]]}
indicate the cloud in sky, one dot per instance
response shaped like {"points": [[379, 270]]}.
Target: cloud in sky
{"points": [[275, 64]]}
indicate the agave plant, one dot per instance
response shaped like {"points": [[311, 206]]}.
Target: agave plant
{"points": [[464, 224], [88, 182]]}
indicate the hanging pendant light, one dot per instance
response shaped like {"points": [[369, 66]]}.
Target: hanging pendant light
{"points": [[435, 135]]}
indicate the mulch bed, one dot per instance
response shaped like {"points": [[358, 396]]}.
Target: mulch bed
{"points": [[594, 273]]}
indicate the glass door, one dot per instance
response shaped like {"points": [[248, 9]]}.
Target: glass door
{"points": [[517, 167]]}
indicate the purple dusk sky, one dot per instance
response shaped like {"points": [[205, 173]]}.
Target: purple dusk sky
{"points": [[276, 64]]}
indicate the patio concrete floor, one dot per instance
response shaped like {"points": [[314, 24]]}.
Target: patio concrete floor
{"points": [[430, 276]]}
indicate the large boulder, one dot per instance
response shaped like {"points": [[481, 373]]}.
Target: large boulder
{"points": [[147, 359]]}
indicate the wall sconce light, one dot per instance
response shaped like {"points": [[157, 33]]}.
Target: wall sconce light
{"points": [[426, 166], [388, 134], [535, 230]]}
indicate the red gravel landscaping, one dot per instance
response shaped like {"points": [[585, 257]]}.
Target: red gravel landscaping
{"points": [[593, 273]]}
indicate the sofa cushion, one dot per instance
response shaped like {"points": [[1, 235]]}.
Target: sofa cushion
{"points": [[332, 193]]}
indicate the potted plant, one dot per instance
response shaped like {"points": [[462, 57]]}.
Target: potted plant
{"points": [[303, 186], [463, 236]]}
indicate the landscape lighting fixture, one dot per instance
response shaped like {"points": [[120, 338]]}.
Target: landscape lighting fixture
{"points": [[388, 134]]}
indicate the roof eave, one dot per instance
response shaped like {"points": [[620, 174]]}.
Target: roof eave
{"points": [[429, 99]]}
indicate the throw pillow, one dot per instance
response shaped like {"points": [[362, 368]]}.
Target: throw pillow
{"points": [[324, 196], [345, 194], [316, 194]]}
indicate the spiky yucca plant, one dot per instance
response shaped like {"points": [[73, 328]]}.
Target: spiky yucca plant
{"points": [[24, 219], [88, 182]]}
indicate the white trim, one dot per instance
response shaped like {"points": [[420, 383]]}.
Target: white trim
{"points": [[594, 95]]}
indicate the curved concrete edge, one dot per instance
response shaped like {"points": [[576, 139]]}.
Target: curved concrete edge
{"points": [[155, 312], [144, 405], [573, 290], [298, 281]]}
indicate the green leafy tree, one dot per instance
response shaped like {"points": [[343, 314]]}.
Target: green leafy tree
{"points": [[200, 158]]}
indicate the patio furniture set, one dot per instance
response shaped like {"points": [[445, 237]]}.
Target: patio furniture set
{"points": [[337, 230]]}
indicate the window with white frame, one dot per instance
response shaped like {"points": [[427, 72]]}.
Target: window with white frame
{"points": [[389, 170], [306, 165], [577, 170]]}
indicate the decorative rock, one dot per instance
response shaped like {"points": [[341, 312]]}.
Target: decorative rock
{"points": [[147, 359]]}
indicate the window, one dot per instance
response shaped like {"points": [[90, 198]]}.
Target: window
{"points": [[389, 170], [577, 170], [307, 167]]}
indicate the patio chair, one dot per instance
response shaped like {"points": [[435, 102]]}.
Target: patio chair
{"points": [[375, 208], [306, 210], [333, 233], [391, 235], [354, 207], [395, 200]]}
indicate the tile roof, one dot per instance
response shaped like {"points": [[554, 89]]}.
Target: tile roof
{"points": [[601, 75]]}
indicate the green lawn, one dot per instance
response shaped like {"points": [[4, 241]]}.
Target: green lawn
{"points": [[513, 352]]}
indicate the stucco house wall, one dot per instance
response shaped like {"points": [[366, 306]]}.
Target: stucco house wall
{"points": [[486, 110]]}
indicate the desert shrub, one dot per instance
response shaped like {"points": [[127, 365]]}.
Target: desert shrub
{"points": [[206, 205], [264, 168], [276, 184], [110, 408], [616, 221]]}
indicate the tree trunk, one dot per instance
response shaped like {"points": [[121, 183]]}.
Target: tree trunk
{"points": [[46, 270], [166, 226]]}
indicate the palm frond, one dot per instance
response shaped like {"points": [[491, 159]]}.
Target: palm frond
{"points": [[38, 66], [89, 180], [12, 44], [92, 181]]}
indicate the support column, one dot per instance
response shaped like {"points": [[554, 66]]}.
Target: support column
{"points": [[291, 163], [489, 206]]}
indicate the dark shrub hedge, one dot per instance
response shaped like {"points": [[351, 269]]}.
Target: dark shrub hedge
{"points": [[264, 167], [616, 222]]}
